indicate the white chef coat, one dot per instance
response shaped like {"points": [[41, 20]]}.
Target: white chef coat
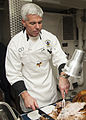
{"points": [[28, 60]]}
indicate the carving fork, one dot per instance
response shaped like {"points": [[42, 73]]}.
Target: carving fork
{"points": [[63, 101]]}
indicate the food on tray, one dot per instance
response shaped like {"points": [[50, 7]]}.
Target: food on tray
{"points": [[80, 97], [55, 112], [42, 118], [75, 110], [72, 111]]}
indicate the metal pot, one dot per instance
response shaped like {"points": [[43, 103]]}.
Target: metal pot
{"points": [[74, 66], [7, 113]]}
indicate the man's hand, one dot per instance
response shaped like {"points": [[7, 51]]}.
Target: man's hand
{"points": [[63, 84], [29, 101]]}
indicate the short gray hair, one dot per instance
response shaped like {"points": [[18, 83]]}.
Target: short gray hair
{"points": [[31, 8]]}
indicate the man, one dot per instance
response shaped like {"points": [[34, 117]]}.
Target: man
{"points": [[27, 62]]}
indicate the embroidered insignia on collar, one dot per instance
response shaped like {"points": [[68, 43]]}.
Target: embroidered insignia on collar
{"points": [[48, 42]]}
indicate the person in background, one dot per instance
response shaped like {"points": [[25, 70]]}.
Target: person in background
{"points": [[27, 62], [4, 84], [7, 92]]}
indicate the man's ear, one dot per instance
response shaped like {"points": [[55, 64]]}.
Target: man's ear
{"points": [[23, 22]]}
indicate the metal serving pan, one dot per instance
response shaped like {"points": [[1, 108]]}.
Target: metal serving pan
{"points": [[7, 113]]}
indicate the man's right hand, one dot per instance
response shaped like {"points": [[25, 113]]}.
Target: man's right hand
{"points": [[29, 101]]}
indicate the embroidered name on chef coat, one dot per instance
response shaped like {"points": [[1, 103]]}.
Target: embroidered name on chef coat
{"points": [[21, 49]]}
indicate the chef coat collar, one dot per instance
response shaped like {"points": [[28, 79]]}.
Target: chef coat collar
{"points": [[26, 33], [40, 35], [27, 36], [33, 37], [24, 29]]}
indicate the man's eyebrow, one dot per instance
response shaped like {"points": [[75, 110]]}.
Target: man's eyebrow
{"points": [[32, 22], [35, 22], [40, 21]]}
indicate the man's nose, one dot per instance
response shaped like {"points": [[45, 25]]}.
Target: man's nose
{"points": [[37, 26]]}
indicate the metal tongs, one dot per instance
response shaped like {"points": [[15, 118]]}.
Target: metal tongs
{"points": [[63, 101]]}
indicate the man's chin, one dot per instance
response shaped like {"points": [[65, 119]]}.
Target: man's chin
{"points": [[35, 35]]}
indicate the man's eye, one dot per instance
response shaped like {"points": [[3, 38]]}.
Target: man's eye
{"points": [[32, 23], [40, 22]]}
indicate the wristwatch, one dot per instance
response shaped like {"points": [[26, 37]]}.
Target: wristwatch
{"points": [[65, 76]]}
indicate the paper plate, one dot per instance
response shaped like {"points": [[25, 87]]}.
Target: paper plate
{"points": [[34, 115], [48, 109]]}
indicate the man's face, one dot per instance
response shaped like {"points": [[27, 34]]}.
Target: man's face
{"points": [[33, 25]]}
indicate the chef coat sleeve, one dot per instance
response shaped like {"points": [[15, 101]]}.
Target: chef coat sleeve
{"points": [[59, 58], [60, 68], [13, 68]]}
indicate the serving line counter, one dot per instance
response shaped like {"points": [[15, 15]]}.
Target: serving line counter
{"points": [[73, 108], [8, 113], [44, 111], [35, 115]]}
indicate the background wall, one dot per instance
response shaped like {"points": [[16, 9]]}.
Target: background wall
{"points": [[4, 24]]}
